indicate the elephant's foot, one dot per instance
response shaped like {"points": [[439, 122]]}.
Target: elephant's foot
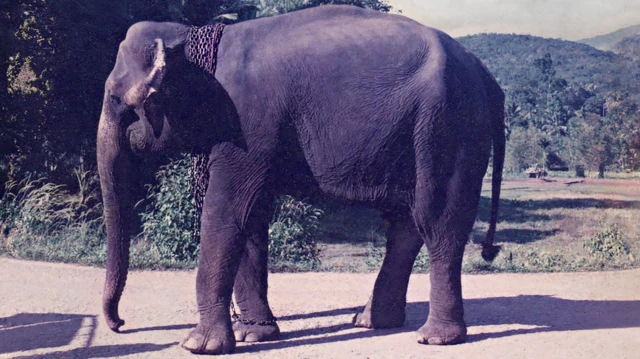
{"points": [[211, 340], [250, 332], [390, 317], [437, 332]]}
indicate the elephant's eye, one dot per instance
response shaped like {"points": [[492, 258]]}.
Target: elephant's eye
{"points": [[115, 99], [149, 55]]}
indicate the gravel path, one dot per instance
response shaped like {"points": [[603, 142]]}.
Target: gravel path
{"points": [[53, 311]]}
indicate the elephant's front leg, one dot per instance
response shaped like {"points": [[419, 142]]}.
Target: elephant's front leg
{"points": [[227, 204], [220, 250], [256, 322]]}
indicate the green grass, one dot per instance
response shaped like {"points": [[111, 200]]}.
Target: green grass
{"points": [[543, 227]]}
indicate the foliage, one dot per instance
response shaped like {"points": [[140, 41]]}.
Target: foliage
{"points": [[291, 234], [511, 59], [168, 220], [629, 47], [56, 56], [524, 150], [275, 7]]}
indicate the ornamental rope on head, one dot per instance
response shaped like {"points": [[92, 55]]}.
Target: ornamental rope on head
{"points": [[201, 49], [202, 46]]}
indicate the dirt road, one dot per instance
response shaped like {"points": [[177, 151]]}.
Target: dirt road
{"points": [[53, 311]]}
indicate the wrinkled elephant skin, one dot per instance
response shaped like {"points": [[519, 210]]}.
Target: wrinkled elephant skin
{"points": [[354, 104]]}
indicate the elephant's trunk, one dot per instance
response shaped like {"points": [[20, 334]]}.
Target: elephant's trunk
{"points": [[113, 167]]}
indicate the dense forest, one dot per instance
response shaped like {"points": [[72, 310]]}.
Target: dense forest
{"points": [[629, 47]]}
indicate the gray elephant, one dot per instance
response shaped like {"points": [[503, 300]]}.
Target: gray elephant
{"points": [[367, 107]]}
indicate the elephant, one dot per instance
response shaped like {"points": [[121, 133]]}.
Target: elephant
{"points": [[357, 105]]}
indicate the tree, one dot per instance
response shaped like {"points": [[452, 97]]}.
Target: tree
{"points": [[57, 55]]}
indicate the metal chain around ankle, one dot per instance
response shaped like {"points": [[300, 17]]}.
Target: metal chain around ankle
{"points": [[199, 183], [235, 317]]}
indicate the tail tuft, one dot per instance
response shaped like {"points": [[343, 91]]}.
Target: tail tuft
{"points": [[489, 252]]}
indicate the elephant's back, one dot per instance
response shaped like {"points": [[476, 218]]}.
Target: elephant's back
{"points": [[347, 34]]}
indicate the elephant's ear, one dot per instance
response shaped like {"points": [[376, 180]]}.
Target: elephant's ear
{"points": [[157, 61]]}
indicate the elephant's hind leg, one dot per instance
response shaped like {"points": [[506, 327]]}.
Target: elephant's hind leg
{"points": [[386, 307], [445, 214], [256, 322]]}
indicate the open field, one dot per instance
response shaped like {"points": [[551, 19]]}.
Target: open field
{"points": [[544, 225]]}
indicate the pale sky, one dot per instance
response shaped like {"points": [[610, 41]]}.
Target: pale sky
{"points": [[566, 19]]}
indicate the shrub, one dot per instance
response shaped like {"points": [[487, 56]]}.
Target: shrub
{"points": [[607, 245], [291, 242], [167, 222]]}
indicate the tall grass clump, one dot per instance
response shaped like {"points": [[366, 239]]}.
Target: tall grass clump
{"points": [[44, 221]]}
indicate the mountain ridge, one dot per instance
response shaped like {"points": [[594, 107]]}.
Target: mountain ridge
{"points": [[511, 59], [609, 41]]}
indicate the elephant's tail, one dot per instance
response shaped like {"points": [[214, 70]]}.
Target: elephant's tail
{"points": [[489, 250]]}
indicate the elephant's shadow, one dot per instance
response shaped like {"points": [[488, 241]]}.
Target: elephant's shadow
{"points": [[539, 313]]}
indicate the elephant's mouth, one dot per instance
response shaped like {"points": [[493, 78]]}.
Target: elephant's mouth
{"points": [[146, 125], [153, 113]]}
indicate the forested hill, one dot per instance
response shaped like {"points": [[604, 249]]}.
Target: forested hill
{"points": [[568, 105], [511, 59]]}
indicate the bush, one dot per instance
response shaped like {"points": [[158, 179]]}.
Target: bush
{"points": [[291, 243], [167, 223], [607, 245]]}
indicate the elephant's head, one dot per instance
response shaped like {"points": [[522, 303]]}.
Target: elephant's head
{"points": [[135, 94], [155, 99], [134, 119]]}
